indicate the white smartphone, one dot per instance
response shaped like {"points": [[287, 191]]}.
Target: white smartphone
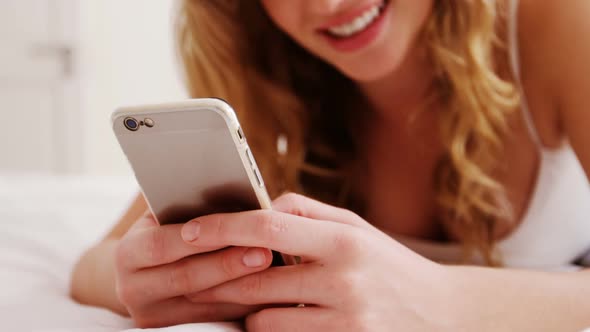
{"points": [[190, 158]]}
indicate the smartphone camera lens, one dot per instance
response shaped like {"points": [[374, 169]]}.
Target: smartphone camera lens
{"points": [[131, 124]]}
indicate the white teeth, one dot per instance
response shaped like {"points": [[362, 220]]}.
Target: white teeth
{"points": [[358, 24]]}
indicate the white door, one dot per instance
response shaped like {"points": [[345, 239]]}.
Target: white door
{"points": [[39, 120]]}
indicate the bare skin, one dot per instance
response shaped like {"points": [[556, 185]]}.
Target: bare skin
{"points": [[406, 292], [414, 157], [144, 270]]}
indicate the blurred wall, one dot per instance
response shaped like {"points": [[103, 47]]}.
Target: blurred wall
{"points": [[127, 56]]}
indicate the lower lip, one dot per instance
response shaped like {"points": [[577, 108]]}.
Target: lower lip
{"points": [[360, 39]]}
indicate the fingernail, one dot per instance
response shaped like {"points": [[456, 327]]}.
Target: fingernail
{"points": [[190, 231], [254, 257]]}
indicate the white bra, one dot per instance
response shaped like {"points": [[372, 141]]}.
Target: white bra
{"points": [[555, 230]]}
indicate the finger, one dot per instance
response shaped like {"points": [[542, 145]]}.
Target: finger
{"points": [[146, 220], [180, 311], [282, 232], [305, 283], [310, 208], [149, 244], [195, 274], [295, 319]]}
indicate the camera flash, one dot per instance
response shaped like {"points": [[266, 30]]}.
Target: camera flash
{"points": [[148, 122]]}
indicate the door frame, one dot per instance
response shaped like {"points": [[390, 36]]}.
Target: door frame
{"points": [[69, 133]]}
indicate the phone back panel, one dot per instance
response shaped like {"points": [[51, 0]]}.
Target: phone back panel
{"points": [[192, 162]]}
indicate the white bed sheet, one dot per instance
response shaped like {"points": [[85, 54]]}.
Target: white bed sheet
{"points": [[45, 224]]}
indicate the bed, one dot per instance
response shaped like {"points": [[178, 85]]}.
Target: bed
{"points": [[46, 223]]}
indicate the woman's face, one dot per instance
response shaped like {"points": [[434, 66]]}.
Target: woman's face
{"points": [[365, 39]]}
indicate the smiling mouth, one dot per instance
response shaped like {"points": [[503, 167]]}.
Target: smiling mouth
{"points": [[358, 24]]}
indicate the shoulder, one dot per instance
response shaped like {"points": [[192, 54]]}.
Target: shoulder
{"points": [[554, 41], [555, 53], [555, 32]]}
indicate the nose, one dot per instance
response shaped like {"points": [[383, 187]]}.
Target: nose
{"points": [[324, 7]]}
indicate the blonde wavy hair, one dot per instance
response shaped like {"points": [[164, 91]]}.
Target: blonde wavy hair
{"points": [[232, 50]]}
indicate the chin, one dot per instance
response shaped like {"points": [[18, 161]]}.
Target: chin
{"points": [[375, 65], [382, 48], [371, 71]]}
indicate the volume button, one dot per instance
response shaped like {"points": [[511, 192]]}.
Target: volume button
{"points": [[250, 157], [258, 177]]}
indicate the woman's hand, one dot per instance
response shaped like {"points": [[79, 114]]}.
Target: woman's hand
{"points": [[352, 277], [155, 269]]}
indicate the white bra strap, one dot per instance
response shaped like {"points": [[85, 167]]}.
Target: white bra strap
{"points": [[515, 63]]}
